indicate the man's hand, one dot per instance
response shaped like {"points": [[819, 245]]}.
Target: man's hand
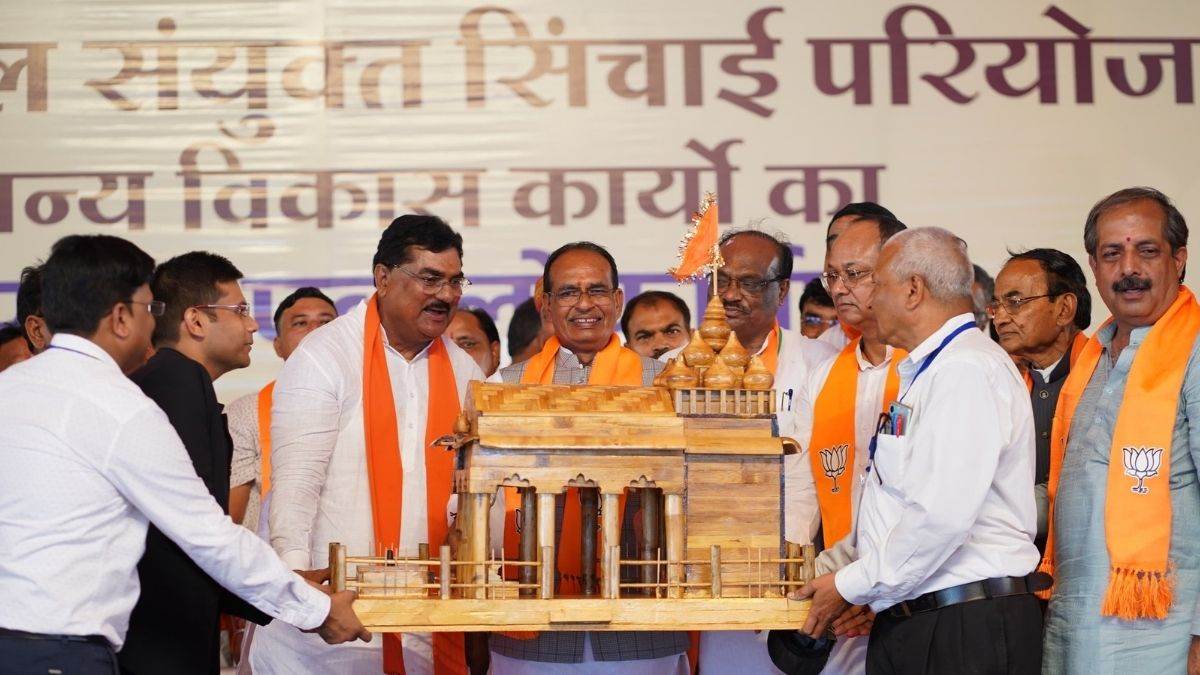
{"points": [[342, 624], [315, 577], [1193, 666], [854, 622], [827, 604]]}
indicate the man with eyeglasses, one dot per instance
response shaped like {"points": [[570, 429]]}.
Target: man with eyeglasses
{"points": [[205, 331], [846, 395], [945, 522], [96, 461], [753, 285], [817, 313], [354, 413], [1040, 309], [583, 301]]}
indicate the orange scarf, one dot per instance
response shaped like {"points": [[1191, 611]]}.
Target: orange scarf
{"points": [[1077, 344], [385, 471], [612, 365], [1137, 509], [770, 351], [264, 436], [832, 448]]}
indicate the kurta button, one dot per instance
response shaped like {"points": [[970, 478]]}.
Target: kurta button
{"points": [[1045, 434], [1043, 394]]}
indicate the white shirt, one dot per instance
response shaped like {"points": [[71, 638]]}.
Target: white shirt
{"points": [[951, 501], [799, 357], [872, 380], [320, 491], [89, 460], [835, 336]]}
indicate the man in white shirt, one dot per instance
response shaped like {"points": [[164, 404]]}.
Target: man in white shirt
{"points": [[946, 520], [90, 460], [300, 313], [842, 219], [753, 286], [322, 486]]}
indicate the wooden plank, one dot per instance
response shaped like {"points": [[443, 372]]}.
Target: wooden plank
{"points": [[423, 615]]}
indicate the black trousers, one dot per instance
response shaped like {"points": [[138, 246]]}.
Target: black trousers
{"points": [[1001, 636], [25, 656]]}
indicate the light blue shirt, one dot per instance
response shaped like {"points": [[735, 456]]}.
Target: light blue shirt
{"points": [[1078, 639]]}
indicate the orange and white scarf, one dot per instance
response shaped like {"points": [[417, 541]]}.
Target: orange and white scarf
{"points": [[385, 470], [1137, 509], [833, 446]]}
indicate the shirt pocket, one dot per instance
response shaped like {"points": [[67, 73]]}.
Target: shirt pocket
{"points": [[891, 462]]}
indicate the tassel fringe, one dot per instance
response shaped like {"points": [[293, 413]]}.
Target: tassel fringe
{"points": [[1138, 594]]}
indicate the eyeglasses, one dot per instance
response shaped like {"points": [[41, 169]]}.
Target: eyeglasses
{"points": [[154, 307], [1013, 305], [751, 285], [850, 279], [241, 309], [570, 296], [814, 320], [433, 285]]}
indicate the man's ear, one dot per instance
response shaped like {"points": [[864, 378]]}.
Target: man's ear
{"points": [[278, 345], [1067, 305], [496, 352], [380, 274], [785, 285], [619, 301], [194, 323], [916, 292], [38, 332], [120, 321]]}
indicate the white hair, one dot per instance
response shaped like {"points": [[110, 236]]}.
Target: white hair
{"points": [[937, 256]]}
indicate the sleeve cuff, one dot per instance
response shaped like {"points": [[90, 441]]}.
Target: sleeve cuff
{"points": [[313, 612], [852, 583]]}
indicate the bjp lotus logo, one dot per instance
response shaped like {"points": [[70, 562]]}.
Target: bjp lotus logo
{"points": [[1142, 463], [833, 461]]}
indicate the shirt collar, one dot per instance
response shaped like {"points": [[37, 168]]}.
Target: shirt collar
{"points": [[865, 365], [566, 359], [81, 345], [1106, 334], [419, 355], [916, 356]]}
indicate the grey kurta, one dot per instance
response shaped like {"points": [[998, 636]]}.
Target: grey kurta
{"points": [[1078, 639]]}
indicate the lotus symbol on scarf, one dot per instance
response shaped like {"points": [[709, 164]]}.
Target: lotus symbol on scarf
{"points": [[833, 461], [1142, 463]]}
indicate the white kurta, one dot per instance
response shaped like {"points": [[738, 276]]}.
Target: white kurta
{"points": [[799, 358], [319, 486]]}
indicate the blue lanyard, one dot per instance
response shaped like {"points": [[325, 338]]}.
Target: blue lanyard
{"points": [[885, 417], [934, 354]]}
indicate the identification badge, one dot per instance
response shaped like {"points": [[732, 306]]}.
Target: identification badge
{"points": [[899, 415]]}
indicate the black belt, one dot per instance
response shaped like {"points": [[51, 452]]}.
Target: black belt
{"points": [[976, 590], [90, 639]]}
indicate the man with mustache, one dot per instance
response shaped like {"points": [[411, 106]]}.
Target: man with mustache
{"points": [[655, 322], [473, 329], [206, 331], [1039, 310], [581, 297], [1124, 543], [354, 413]]}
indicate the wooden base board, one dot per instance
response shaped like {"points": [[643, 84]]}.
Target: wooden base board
{"points": [[401, 615]]}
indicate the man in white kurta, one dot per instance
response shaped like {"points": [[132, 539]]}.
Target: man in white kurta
{"points": [[753, 285], [320, 486]]}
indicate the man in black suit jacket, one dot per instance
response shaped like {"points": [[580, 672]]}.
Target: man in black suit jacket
{"points": [[206, 331]]}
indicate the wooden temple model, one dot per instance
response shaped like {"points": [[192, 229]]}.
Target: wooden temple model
{"points": [[699, 455]]}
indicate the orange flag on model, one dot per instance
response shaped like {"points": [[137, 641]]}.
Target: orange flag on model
{"points": [[697, 249]]}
